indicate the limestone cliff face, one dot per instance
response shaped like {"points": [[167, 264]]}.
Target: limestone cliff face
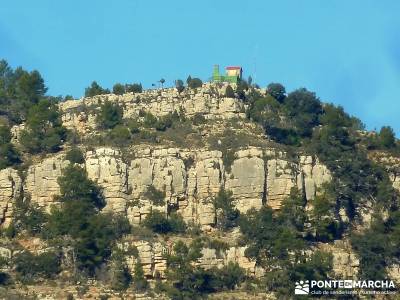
{"points": [[345, 262], [10, 187], [41, 180], [105, 167], [208, 100], [152, 257], [188, 178]]}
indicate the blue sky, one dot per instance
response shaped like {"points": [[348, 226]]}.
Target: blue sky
{"points": [[348, 52]]}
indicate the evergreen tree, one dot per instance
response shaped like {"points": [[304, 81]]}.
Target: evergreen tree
{"points": [[95, 89], [387, 138], [225, 212], [277, 91], [44, 131], [139, 279], [8, 154], [110, 115], [120, 276], [118, 89]]}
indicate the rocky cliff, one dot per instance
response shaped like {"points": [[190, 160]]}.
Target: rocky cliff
{"points": [[188, 177], [257, 177]]}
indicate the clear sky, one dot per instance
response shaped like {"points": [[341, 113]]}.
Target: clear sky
{"points": [[347, 51]]}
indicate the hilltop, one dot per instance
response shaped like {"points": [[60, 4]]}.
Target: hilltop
{"points": [[205, 189]]}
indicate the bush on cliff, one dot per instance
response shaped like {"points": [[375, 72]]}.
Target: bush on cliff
{"points": [[195, 83], [134, 88], [75, 156], [31, 267], [225, 212], [92, 233], [187, 281], [229, 93], [277, 91], [9, 156], [44, 131], [159, 223], [118, 89], [19, 91], [119, 135], [110, 115], [95, 89]]}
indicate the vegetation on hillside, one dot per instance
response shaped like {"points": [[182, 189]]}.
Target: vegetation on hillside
{"points": [[285, 242]]}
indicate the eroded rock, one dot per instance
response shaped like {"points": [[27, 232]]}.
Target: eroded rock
{"points": [[41, 181], [10, 188]]}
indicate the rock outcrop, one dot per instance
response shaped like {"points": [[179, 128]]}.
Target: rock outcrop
{"points": [[41, 180], [391, 164], [247, 179], [189, 179], [314, 175], [345, 262], [105, 167], [208, 100], [10, 188], [151, 255]]}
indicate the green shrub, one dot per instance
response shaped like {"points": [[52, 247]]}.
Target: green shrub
{"points": [[149, 120], [91, 234], [147, 136], [242, 86], [75, 156], [134, 88], [177, 223], [195, 83], [218, 245], [120, 135], [76, 186], [229, 276], [387, 138], [157, 197], [28, 217], [110, 115], [95, 89], [283, 135], [199, 119], [188, 162], [179, 85], [303, 110], [118, 89], [120, 275], [277, 91], [30, 267], [139, 279], [229, 93], [323, 219], [225, 212], [265, 111], [133, 125], [157, 222], [19, 90], [44, 131], [8, 154], [375, 248], [186, 281], [228, 157]]}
